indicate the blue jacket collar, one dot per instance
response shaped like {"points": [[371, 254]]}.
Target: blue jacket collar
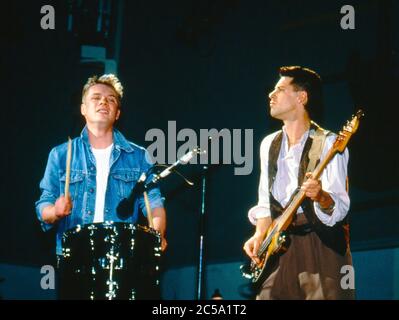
{"points": [[120, 141]]}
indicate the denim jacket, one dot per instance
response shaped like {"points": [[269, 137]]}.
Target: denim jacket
{"points": [[127, 162]]}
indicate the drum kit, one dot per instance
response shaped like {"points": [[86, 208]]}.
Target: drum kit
{"points": [[113, 260], [110, 260]]}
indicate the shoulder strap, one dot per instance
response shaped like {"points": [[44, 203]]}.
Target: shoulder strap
{"points": [[319, 138]]}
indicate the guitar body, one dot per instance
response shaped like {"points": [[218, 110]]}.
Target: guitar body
{"points": [[277, 244]]}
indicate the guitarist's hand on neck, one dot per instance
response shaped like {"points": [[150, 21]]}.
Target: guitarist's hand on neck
{"points": [[313, 189], [252, 245]]}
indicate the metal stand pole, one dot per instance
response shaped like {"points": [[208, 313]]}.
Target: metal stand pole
{"points": [[200, 278]]}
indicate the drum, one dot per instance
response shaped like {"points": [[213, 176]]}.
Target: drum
{"points": [[111, 260]]}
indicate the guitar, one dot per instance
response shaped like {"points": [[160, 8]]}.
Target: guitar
{"points": [[275, 241]]}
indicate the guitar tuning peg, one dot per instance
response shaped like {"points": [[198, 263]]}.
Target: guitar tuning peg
{"points": [[360, 113]]}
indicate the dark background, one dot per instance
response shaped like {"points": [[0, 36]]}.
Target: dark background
{"points": [[204, 64]]}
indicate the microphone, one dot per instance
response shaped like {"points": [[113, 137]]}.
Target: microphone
{"points": [[125, 207], [183, 160]]}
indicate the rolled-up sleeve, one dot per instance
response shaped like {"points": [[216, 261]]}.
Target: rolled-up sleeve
{"points": [[154, 194], [49, 186], [262, 209]]}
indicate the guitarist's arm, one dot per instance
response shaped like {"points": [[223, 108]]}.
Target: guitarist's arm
{"points": [[329, 193], [259, 215], [251, 246]]}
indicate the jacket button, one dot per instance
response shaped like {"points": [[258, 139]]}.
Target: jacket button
{"points": [[91, 190], [89, 212]]}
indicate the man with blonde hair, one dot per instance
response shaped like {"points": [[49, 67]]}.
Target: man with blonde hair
{"points": [[105, 168]]}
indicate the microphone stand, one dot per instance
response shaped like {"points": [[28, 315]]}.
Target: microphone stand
{"points": [[200, 277]]}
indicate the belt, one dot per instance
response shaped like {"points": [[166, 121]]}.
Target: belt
{"points": [[300, 230]]}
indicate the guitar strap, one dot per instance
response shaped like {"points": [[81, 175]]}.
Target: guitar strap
{"points": [[319, 137]]}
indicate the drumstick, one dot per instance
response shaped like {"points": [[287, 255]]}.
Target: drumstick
{"points": [[68, 167], [148, 208]]}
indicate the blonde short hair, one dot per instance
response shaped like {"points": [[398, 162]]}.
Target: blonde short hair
{"points": [[109, 80]]}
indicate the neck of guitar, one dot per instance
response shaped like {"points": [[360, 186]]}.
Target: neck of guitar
{"points": [[291, 209]]}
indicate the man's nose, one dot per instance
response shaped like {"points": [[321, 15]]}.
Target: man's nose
{"points": [[271, 94], [104, 100]]}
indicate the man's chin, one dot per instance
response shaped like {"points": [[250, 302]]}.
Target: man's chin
{"points": [[274, 115], [102, 124]]}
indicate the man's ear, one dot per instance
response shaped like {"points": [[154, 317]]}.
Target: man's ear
{"points": [[83, 109], [118, 113], [303, 97]]}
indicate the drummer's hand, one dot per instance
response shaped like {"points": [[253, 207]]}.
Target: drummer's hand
{"points": [[164, 243], [62, 207]]}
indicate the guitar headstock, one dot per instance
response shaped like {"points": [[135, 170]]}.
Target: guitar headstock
{"points": [[347, 131]]}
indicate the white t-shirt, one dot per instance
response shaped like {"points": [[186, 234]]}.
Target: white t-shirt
{"points": [[102, 163]]}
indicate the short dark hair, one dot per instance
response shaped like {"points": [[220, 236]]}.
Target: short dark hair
{"points": [[309, 81]]}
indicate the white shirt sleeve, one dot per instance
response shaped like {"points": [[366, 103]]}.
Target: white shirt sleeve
{"points": [[333, 181], [262, 209]]}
